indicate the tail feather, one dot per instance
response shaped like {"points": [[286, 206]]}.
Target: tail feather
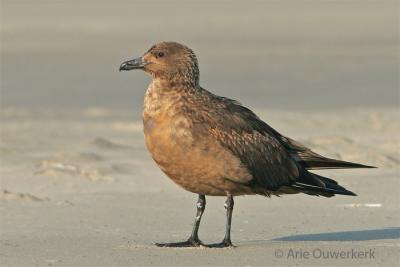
{"points": [[314, 184], [323, 191]]}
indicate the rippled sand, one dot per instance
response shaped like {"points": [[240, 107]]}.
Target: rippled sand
{"points": [[83, 191]]}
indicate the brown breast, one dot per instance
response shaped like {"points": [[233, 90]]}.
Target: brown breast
{"points": [[186, 152]]}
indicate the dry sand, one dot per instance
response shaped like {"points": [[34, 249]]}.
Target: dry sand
{"points": [[83, 191]]}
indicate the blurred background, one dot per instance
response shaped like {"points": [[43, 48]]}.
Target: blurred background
{"points": [[267, 54]]}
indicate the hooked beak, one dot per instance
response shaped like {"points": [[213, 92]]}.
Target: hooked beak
{"points": [[137, 63]]}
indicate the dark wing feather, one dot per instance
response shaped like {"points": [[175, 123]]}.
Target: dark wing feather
{"points": [[272, 159], [244, 134], [311, 160], [264, 157], [301, 154]]}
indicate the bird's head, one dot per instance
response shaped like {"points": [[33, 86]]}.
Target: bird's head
{"points": [[167, 61]]}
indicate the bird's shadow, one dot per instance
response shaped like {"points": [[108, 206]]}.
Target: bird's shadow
{"points": [[360, 235]]}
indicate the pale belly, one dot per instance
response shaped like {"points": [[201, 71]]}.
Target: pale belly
{"points": [[196, 162]]}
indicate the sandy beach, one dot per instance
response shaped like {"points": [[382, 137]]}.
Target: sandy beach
{"points": [[78, 187], [85, 192]]}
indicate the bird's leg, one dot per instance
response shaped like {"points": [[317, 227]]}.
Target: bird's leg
{"points": [[227, 239], [201, 205], [193, 240]]}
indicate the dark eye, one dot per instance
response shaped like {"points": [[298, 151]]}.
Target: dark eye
{"points": [[160, 54]]}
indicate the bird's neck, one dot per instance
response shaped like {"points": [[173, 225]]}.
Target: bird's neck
{"points": [[188, 77], [175, 83], [162, 95]]}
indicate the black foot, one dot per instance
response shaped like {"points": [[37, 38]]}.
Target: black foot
{"points": [[185, 244], [224, 244]]}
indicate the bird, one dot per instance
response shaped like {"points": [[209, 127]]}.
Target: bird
{"points": [[213, 146]]}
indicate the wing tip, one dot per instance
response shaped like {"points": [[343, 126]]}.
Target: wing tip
{"points": [[333, 164], [349, 193], [370, 167]]}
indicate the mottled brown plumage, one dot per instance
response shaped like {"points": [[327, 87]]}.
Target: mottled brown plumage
{"points": [[212, 145]]}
